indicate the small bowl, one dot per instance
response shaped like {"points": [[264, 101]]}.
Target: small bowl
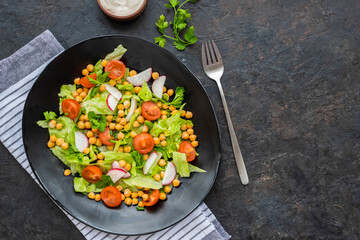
{"points": [[123, 18]]}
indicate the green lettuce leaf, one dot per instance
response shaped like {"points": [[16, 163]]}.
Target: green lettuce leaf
{"points": [[182, 166], [179, 97], [97, 104], [67, 132], [193, 168], [143, 181], [111, 156], [118, 52], [97, 121], [145, 93]]}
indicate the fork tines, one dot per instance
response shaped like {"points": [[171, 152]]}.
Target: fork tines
{"points": [[208, 55]]}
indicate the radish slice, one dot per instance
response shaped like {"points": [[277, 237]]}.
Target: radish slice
{"points": [[152, 160], [114, 91], [81, 141], [127, 174], [115, 164], [170, 174], [112, 102], [132, 109], [158, 85], [115, 174], [140, 78]]}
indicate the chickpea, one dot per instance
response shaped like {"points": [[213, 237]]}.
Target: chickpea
{"points": [[112, 82], [189, 126], [126, 104], [164, 89], [162, 174], [122, 163], [59, 142], [82, 118], [85, 72], [126, 83], [90, 67], [92, 140], [81, 125], [195, 143], [188, 114], [146, 157], [98, 142], [110, 148], [121, 113], [132, 73], [141, 204], [140, 119], [119, 126], [100, 156], [83, 94], [77, 81], [97, 197], [121, 150], [67, 172], [162, 137], [103, 63], [119, 187], [137, 89], [85, 89], [75, 94], [88, 124], [134, 201], [162, 162], [145, 129], [65, 145], [134, 195], [52, 124], [127, 149], [183, 127], [192, 137], [109, 118], [112, 125], [162, 196], [102, 88], [127, 192], [174, 112], [86, 150], [182, 114], [190, 131], [50, 144], [157, 177], [155, 75], [121, 135], [79, 90], [159, 104], [95, 130], [170, 92], [139, 187], [53, 138], [128, 201], [140, 193], [91, 195], [172, 108], [185, 135], [89, 134], [123, 121], [176, 182], [127, 126], [163, 143], [167, 189], [136, 124], [128, 167], [164, 112], [122, 197], [165, 106], [145, 197], [163, 117], [118, 119], [133, 134], [79, 99]]}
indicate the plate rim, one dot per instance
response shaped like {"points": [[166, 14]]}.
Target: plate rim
{"points": [[63, 207]]}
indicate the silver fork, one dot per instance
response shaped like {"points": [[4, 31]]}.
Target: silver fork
{"points": [[214, 69]]}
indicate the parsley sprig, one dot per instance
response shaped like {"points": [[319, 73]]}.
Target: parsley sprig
{"points": [[180, 22]]}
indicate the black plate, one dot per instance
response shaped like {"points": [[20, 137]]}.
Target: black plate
{"points": [[49, 170]]}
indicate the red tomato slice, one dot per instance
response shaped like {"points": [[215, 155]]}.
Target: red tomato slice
{"points": [[150, 111], [116, 68], [111, 196], [105, 137], [71, 107], [91, 174], [84, 81], [188, 149], [153, 198], [143, 143]]}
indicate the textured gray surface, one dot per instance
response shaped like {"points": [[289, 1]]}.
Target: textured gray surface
{"points": [[292, 85]]}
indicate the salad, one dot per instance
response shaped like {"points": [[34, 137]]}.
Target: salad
{"points": [[122, 140]]}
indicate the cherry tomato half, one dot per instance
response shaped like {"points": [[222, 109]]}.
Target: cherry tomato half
{"points": [[143, 143], [116, 68], [91, 174], [84, 81], [150, 110], [153, 198], [105, 137], [111, 196], [188, 149], [71, 107]]}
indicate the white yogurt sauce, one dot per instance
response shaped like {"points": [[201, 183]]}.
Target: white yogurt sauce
{"points": [[122, 7]]}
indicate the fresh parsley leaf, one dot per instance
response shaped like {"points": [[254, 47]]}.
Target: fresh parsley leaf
{"points": [[161, 41], [97, 121], [189, 35], [174, 3], [162, 24], [49, 116], [179, 45], [179, 97]]}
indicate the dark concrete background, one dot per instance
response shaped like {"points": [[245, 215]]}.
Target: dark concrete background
{"points": [[291, 79]]}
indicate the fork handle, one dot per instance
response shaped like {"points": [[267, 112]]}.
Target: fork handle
{"points": [[238, 156]]}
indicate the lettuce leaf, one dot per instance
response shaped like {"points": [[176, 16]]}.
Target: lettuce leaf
{"points": [[182, 166], [67, 132], [97, 104], [111, 156], [83, 186], [143, 181], [118, 52], [97, 121], [179, 97], [145, 93], [193, 168]]}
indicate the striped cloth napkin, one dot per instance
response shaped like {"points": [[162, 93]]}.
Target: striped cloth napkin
{"points": [[15, 84]]}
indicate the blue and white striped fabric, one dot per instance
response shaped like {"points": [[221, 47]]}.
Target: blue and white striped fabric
{"points": [[14, 87]]}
